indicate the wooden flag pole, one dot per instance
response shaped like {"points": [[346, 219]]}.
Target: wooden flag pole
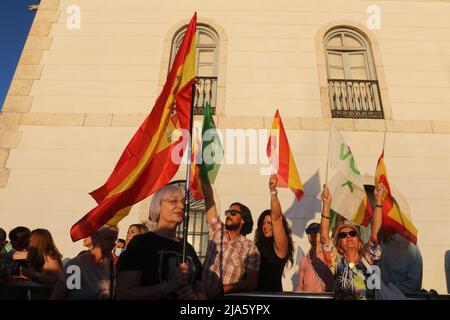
{"points": [[188, 177], [384, 140]]}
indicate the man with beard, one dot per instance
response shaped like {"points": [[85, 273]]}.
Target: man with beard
{"points": [[232, 261]]}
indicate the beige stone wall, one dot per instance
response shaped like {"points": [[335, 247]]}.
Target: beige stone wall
{"points": [[78, 95]]}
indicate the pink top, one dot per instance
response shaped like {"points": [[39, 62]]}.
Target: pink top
{"points": [[314, 275]]}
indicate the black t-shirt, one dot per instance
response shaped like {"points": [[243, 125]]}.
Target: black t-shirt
{"points": [[157, 257], [271, 268]]}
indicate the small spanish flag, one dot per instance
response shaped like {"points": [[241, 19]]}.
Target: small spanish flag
{"points": [[393, 217], [281, 158]]}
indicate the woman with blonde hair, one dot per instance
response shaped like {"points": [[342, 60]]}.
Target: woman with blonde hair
{"points": [[133, 230], [353, 269]]}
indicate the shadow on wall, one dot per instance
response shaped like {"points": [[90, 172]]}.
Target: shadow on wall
{"points": [[447, 269], [301, 213]]}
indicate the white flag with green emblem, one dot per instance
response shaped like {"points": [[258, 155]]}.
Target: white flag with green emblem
{"points": [[346, 187]]}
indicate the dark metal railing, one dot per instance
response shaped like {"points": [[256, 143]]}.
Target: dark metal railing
{"points": [[205, 91], [197, 233], [355, 99]]}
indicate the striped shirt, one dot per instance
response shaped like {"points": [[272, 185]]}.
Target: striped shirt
{"points": [[314, 274], [227, 260]]}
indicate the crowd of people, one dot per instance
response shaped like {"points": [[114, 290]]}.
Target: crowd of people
{"points": [[149, 264]]}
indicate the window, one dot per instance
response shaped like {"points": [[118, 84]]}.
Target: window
{"points": [[352, 82], [198, 228], [206, 66]]}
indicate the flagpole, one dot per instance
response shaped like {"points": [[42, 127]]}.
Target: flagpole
{"points": [[384, 140], [328, 156], [188, 176]]}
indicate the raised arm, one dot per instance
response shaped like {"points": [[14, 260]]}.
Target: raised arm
{"points": [[377, 220], [210, 204], [279, 234], [325, 219]]}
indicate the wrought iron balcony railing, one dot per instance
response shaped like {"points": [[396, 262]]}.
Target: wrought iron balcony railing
{"points": [[355, 99], [205, 91]]}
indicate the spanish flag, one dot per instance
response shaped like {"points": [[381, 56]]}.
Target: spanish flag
{"points": [[393, 217], [146, 163], [196, 160], [281, 158]]}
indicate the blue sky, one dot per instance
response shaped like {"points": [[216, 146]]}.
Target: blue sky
{"points": [[15, 22]]}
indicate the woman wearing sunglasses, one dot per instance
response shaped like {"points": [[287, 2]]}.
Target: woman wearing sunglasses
{"points": [[274, 241], [356, 258]]}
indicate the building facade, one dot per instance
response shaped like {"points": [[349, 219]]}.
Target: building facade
{"points": [[91, 70]]}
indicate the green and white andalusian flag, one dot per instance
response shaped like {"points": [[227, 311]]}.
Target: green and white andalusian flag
{"points": [[212, 150], [349, 198]]}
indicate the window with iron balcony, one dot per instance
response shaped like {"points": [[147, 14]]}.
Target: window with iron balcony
{"points": [[352, 82], [206, 66]]}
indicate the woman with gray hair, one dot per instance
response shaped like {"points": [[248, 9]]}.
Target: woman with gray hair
{"points": [[151, 267]]}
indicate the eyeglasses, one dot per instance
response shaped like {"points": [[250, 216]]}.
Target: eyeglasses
{"points": [[174, 202], [232, 212], [343, 235]]}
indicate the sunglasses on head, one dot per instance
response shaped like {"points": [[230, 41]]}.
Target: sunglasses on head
{"points": [[313, 230], [343, 235], [232, 212]]}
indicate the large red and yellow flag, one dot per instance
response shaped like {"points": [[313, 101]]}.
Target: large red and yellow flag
{"points": [[393, 217], [281, 158], [146, 163]]}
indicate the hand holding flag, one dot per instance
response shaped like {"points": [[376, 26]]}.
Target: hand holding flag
{"points": [[393, 217], [207, 155], [350, 199], [282, 160]]}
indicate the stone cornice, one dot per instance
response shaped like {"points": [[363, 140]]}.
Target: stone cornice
{"points": [[232, 122]]}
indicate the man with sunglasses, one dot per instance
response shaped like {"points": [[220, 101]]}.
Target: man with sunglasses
{"points": [[232, 261], [351, 272]]}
